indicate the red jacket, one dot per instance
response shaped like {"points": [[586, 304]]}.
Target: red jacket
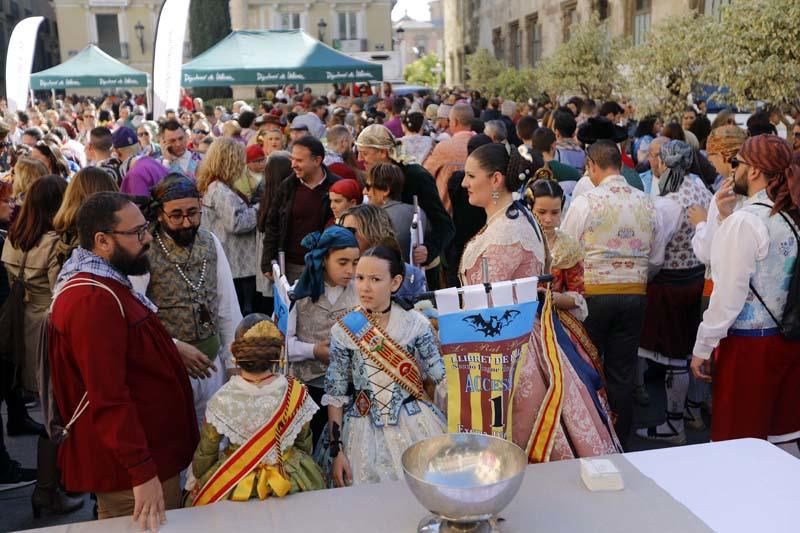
{"points": [[140, 421]]}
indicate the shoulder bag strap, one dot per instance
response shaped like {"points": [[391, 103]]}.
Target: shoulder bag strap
{"points": [[83, 403], [797, 242]]}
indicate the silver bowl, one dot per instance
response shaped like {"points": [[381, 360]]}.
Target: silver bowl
{"points": [[464, 477]]}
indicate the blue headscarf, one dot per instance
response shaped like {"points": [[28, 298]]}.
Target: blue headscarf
{"points": [[311, 282]]}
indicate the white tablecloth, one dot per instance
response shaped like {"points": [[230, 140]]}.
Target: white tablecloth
{"points": [[743, 486]]}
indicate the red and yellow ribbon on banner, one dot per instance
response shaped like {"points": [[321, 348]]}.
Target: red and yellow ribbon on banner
{"points": [[244, 464], [542, 437]]}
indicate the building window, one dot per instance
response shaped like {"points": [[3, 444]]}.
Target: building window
{"points": [[569, 19], [108, 34], [713, 8], [290, 21], [515, 35], [602, 9], [498, 44], [641, 21], [348, 25], [534, 32]]}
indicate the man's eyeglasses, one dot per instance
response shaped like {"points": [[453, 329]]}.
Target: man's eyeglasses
{"points": [[736, 162], [178, 217], [143, 134], [139, 231]]}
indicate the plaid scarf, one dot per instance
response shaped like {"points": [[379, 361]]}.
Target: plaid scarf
{"points": [[83, 261]]}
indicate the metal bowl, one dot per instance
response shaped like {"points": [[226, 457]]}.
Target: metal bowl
{"points": [[464, 477]]}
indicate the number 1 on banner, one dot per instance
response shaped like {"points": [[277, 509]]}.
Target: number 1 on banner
{"points": [[497, 413]]}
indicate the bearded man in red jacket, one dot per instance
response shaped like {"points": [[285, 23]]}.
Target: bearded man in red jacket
{"points": [[117, 373]]}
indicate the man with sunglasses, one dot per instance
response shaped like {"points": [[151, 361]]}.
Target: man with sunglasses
{"points": [[191, 283], [117, 372], [753, 260]]}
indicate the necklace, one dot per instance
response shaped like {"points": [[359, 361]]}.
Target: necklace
{"points": [[257, 381], [381, 313], [194, 286]]}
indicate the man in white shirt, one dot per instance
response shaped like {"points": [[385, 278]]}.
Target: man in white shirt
{"points": [[619, 229], [753, 257]]}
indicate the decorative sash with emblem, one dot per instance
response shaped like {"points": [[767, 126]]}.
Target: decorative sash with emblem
{"points": [[379, 347], [244, 465]]}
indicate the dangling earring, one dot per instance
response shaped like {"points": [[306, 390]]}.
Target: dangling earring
{"points": [[495, 196]]}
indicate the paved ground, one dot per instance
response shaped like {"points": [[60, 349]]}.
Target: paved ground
{"points": [[15, 508]]}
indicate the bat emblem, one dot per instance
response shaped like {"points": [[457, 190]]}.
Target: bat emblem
{"points": [[493, 326]]}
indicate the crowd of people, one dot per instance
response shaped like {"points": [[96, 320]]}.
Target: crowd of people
{"points": [[139, 257]]}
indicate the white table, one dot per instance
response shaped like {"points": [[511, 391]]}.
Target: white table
{"points": [[745, 485]]}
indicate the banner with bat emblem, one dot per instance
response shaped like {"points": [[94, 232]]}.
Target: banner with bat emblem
{"points": [[480, 348]]}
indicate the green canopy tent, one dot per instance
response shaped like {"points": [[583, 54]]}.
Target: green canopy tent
{"points": [[89, 68], [275, 57]]}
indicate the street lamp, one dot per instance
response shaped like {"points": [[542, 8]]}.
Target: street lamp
{"points": [[400, 32], [140, 34], [321, 25]]}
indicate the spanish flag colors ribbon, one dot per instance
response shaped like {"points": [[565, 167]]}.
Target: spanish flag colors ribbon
{"points": [[548, 418], [244, 466]]}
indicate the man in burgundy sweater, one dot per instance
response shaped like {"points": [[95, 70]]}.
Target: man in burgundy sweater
{"points": [[301, 207], [108, 348]]}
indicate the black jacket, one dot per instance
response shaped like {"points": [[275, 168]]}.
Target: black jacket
{"points": [[420, 183], [278, 218]]}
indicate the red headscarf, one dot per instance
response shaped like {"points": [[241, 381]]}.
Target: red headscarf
{"points": [[350, 189], [773, 156]]}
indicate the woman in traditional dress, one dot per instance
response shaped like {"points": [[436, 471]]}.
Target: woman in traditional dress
{"points": [[514, 246], [546, 200], [247, 412], [389, 352]]}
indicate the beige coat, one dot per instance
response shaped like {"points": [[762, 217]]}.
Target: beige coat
{"points": [[41, 272]]}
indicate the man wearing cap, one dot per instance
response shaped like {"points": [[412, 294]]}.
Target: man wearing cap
{"points": [[756, 387], [376, 144], [190, 282], [126, 144], [442, 123], [314, 119], [297, 130], [600, 128]]}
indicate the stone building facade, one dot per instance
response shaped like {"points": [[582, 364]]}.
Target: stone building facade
{"points": [[522, 32], [125, 29]]}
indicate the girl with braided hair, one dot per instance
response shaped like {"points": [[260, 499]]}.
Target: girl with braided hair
{"points": [[265, 418]]}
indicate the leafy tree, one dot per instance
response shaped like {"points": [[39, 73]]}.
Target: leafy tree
{"points": [[491, 76], [483, 70], [209, 23], [421, 71], [587, 64], [760, 45], [661, 73], [517, 85]]}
